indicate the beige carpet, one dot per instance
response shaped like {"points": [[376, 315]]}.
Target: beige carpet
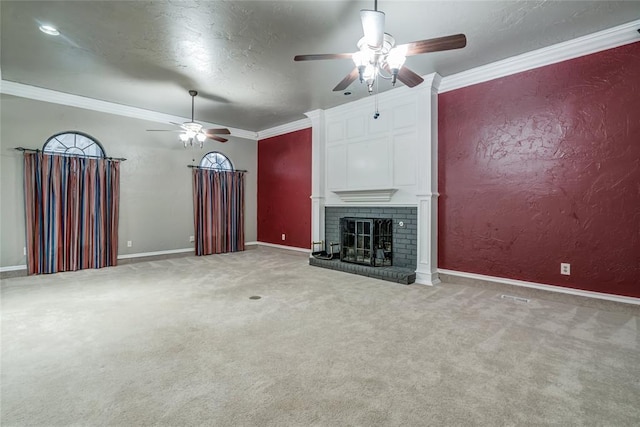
{"points": [[179, 342]]}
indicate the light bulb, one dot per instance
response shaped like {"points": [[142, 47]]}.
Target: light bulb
{"points": [[395, 61], [184, 137], [50, 30], [369, 72], [360, 58], [201, 137]]}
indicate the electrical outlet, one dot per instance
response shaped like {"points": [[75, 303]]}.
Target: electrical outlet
{"points": [[283, 236], [192, 239], [129, 244], [24, 251], [565, 268]]}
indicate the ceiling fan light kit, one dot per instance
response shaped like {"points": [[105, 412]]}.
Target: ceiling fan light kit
{"points": [[193, 133], [192, 130], [378, 55]]}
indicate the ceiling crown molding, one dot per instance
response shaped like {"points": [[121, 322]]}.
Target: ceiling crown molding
{"points": [[285, 128], [581, 46], [67, 99]]}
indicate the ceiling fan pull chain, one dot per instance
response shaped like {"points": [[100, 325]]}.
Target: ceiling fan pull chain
{"points": [[376, 114]]}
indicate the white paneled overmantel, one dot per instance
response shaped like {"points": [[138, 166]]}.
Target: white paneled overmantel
{"points": [[365, 154], [389, 160]]}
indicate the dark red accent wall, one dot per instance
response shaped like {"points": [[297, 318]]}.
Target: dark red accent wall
{"points": [[543, 167], [284, 189]]}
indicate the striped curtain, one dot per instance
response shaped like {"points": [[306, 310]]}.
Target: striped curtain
{"points": [[71, 206], [218, 206]]}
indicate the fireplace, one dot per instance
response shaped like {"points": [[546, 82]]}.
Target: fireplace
{"points": [[366, 241]]}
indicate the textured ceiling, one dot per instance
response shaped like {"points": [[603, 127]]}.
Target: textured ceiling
{"points": [[239, 54]]}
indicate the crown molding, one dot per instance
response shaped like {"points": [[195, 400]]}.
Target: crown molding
{"points": [[67, 99], [285, 128], [581, 46]]}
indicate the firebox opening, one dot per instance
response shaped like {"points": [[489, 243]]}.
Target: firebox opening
{"points": [[366, 241]]}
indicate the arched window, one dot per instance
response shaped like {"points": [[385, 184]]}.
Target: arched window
{"points": [[73, 144], [216, 160]]}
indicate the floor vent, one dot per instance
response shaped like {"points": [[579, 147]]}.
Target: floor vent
{"points": [[517, 299]]}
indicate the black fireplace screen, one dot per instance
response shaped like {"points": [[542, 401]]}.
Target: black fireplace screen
{"points": [[366, 241]]}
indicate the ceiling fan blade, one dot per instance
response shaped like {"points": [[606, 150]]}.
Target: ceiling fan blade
{"points": [[319, 56], [408, 77], [438, 44], [218, 131], [372, 27], [218, 138], [351, 77]]}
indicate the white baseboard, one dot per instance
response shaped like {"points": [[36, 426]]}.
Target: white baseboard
{"points": [[144, 254], [552, 288], [167, 252], [273, 245], [13, 268]]}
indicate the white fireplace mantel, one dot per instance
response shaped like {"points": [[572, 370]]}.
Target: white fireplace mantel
{"points": [[366, 195], [382, 161]]}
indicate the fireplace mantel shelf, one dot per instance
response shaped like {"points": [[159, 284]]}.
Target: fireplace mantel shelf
{"points": [[370, 195]]}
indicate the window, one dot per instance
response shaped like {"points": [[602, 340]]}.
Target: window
{"points": [[73, 144], [215, 160]]}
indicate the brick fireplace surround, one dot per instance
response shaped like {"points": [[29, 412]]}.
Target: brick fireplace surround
{"points": [[404, 242]]}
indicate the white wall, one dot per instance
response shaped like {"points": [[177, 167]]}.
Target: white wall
{"points": [[156, 205]]}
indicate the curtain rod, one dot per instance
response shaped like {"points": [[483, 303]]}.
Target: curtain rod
{"points": [[68, 155], [199, 167]]}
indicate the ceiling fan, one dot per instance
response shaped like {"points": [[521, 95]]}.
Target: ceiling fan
{"points": [[190, 131], [377, 52]]}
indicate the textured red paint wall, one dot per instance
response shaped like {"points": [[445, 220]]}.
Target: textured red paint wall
{"points": [[543, 167], [284, 189]]}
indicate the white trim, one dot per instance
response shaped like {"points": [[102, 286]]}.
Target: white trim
{"points": [[581, 46], [290, 248], [360, 205], [145, 254], [48, 95], [13, 268], [366, 196], [127, 256], [552, 288], [427, 279], [285, 128]]}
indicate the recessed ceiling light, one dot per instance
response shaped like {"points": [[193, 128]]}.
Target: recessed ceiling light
{"points": [[48, 29]]}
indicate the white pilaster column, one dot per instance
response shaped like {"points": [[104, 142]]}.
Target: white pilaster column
{"points": [[318, 142], [427, 194]]}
